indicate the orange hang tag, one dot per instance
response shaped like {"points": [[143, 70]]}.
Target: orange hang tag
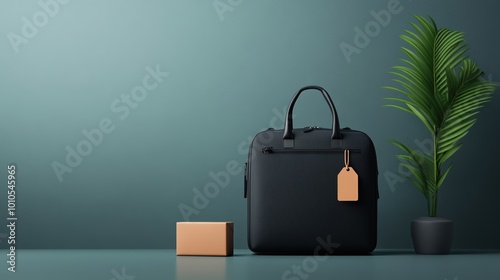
{"points": [[347, 182]]}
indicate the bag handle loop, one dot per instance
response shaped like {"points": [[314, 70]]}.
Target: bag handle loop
{"points": [[288, 136]]}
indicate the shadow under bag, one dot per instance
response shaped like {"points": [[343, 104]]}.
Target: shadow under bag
{"points": [[311, 190]]}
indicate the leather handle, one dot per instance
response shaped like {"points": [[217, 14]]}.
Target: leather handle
{"points": [[288, 134]]}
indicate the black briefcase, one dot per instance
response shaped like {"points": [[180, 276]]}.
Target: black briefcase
{"points": [[312, 190]]}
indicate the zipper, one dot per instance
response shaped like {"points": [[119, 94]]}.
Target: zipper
{"points": [[308, 129], [270, 150]]}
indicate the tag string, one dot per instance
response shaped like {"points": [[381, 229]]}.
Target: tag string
{"points": [[346, 159]]}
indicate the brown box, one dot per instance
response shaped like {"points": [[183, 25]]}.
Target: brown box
{"points": [[204, 238]]}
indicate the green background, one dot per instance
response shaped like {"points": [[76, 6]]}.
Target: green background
{"points": [[231, 75]]}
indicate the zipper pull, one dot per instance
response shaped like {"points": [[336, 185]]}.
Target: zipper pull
{"points": [[245, 186], [310, 128], [267, 150]]}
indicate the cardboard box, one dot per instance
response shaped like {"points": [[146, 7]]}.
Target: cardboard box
{"points": [[204, 238]]}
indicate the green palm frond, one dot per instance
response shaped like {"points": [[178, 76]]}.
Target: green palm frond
{"points": [[444, 89]]}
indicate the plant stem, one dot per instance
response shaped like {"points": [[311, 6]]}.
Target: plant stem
{"points": [[435, 204], [436, 176], [428, 205]]}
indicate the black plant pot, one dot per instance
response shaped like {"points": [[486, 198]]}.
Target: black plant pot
{"points": [[432, 235]]}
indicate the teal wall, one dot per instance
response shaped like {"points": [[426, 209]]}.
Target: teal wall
{"points": [[221, 76]]}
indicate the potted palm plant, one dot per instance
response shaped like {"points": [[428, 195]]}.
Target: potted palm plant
{"points": [[445, 90]]}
